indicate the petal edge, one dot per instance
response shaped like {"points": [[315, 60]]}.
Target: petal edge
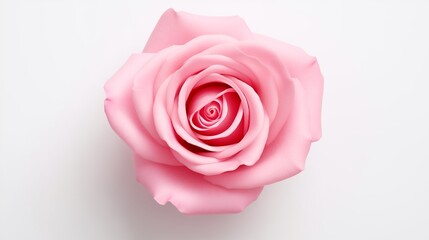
{"points": [[189, 192], [177, 28]]}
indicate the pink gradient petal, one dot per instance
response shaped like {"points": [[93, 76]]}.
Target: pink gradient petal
{"points": [[166, 131], [258, 132], [230, 81], [209, 75], [232, 117], [204, 96], [177, 28], [306, 69], [123, 118], [183, 53], [227, 66], [143, 92], [248, 157], [191, 138], [189, 192], [233, 134], [271, 80], [158, 70], [168, 90], [197, 123], [281, 159], [192, 158]]}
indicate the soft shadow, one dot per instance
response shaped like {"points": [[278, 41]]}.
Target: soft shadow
{"points": [[146, 219]]}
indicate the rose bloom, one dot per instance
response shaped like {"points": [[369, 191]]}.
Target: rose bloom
{"points": [[214, 112]]}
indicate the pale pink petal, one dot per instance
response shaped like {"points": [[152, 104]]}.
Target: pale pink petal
{"points": [[209, 74], [166, 95], [143, 92], [201, 122], [158, 70], [306, 69], [203, 96], [123, 118], [235, 130], [221, 65], [270, 78], [200, 98], [183, 53], [189, 192], [248, 157], [230, 81], [190, 138], [177, 28], [281, 159], [165, 129], [190, 156]]}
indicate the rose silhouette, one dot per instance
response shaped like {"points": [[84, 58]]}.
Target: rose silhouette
{"points": [[214, 112]]}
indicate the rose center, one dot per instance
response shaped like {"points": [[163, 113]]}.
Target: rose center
{"points": [[215, 113], [211, 111]]}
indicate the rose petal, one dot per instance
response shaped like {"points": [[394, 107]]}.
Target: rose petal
{"points": [[189, 192], [247, 157], [166, 96], [283, 158], [271, 80], [148, 80], [197, 123], [204, 96], [226, 124], [177, 28], [191, 158], [231, 135], [143, 91], [123, 118], [306, 69], [230, 81], [208, 63], [164, 127], [190, 138], [210, 76]]}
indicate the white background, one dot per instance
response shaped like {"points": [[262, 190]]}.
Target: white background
{"points": [[64, 174]]}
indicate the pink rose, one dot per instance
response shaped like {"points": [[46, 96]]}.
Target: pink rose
{"points": [[213, 112]]}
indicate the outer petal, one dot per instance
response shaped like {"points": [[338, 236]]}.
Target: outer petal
{"points": [[306, 69], [189, 192], [193, 160], [281, 159], [122, 117], [270, 78], [159, 69], [177, 28]]}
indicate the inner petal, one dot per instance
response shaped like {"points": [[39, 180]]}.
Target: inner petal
{"points": [[205, 95], [205, 106], [228, 129], [211, 111], [207, 123], [214, 76], [201, 125]]}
